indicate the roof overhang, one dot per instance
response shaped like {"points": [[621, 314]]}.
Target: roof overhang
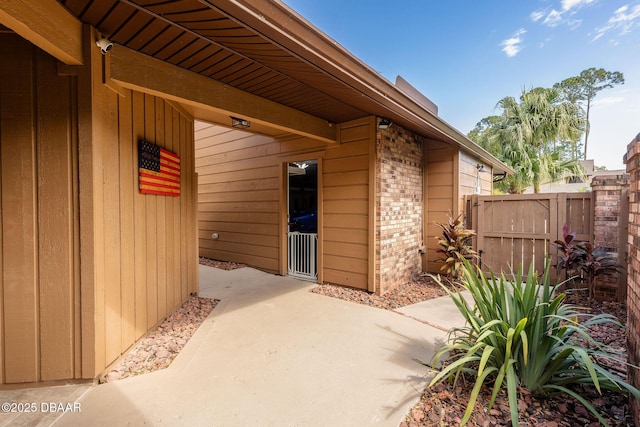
{"points": [[286, 73], [286, 28]]}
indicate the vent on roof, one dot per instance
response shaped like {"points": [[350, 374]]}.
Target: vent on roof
{"points": [[415, 94]]}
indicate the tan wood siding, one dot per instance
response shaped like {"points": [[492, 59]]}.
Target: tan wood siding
{"points": [[39, 222], [346, 206], [145, 245], [469, 176], [88, 264], [241, 196], [238, 196], [440, 191]]}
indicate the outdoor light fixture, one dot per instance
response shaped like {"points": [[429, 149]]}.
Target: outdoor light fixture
{"points": [[478, 189], [239, 123], [384, 124], [499, 177], [301, 165]]}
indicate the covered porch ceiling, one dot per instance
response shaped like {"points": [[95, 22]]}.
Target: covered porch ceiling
{"points": [[259, 48]]}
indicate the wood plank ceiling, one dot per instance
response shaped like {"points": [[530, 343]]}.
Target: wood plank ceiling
{"points": [[199, 37]]}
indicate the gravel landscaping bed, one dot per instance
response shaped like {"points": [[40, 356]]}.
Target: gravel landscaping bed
{"points": [[158, 349], [421, 288], [223, 265], [442, 405]]}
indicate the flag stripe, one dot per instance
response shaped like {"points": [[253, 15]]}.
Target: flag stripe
{"points": [[159, 181], [161, 189], [168, 175]]}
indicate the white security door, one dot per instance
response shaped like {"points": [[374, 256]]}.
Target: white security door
{"points": [[302, 230]]}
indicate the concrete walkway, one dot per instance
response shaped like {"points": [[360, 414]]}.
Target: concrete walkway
{"points": [[273, 354]]}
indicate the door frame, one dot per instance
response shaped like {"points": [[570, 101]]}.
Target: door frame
{"points": [[284, 210]]}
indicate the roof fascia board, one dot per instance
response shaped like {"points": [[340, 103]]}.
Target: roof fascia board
{"points": [[46, 24], [286, 28], [133, 70]]}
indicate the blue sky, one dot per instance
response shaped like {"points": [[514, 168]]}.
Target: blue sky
{"points": [[465, 55]]}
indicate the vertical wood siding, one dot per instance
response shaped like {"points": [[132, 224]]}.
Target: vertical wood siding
{"points": [[88, 264], [39, 222], [145, 245], [241, 188], [468, 178]]}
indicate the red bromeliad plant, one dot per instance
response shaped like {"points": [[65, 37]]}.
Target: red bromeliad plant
{"points": [[455, 246], [582, 260], [596, 263], [570, 253]]}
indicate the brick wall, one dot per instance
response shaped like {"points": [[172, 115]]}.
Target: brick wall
{"points": [[609, 197], [399, 206], [632, 160]]}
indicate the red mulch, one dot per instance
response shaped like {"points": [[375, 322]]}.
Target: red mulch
{"points": [[223, 265], [421, 288]]}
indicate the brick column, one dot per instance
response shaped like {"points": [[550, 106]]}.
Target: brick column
{"points": [[608, 193], [632, 160], [399, 206]]}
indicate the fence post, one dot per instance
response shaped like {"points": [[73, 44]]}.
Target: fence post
{"points": [[623, 235], [607, 220], [560, 216]]}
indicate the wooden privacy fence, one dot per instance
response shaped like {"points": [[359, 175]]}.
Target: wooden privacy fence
{"points": [[515, 230]]}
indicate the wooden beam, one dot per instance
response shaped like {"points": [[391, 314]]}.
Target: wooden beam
{"points": [[46, 24], [142, 73]]}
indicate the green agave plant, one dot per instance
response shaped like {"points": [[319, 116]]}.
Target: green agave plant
{"points": [[520, 333]]}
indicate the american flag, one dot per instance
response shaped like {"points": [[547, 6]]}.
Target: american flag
{"points": [[159, 170]]}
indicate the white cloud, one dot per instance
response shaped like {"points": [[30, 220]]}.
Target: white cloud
{"points": [[553, 19], [512, 45], [574, 23], [624, 19], [537, 15], [571, 4], [556, 17]]}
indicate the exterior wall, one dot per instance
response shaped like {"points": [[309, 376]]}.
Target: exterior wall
{"points": [[143, 254], [450, 176], [39, 253], [632, 160], [239, 196], [348, 199], [440, 184], [610, 195], [469, 178], [88, 264], [399, 202], [242, 197]]}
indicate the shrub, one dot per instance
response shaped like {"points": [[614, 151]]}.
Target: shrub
{"points": [[570, 253], [581, 260], [596, 263], [520, 333], [455, 246]]}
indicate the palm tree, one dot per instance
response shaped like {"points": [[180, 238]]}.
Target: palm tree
{"points": [[528, 134]]}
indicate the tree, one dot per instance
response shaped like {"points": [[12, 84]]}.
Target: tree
{"points": [[581, 90], [526, 136]]}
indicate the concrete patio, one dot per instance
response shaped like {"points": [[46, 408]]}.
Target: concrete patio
{"points": [[272, 354]]}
